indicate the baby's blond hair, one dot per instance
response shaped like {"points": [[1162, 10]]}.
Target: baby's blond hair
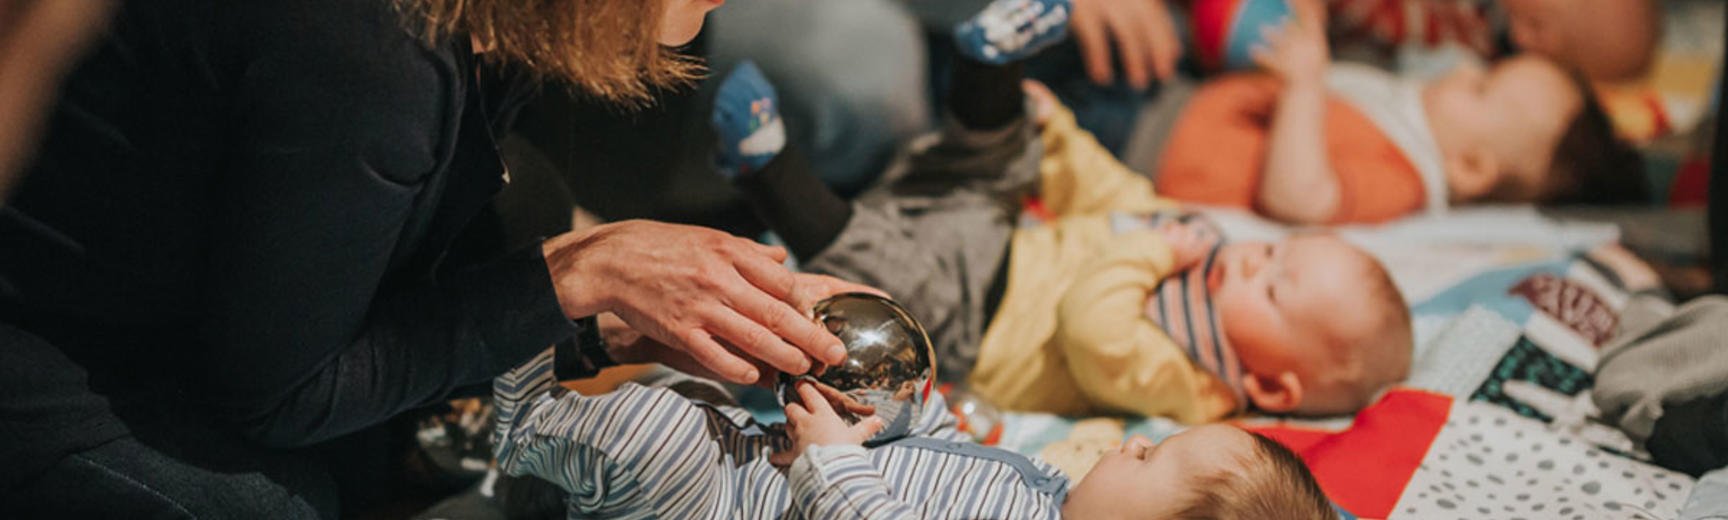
{"points": [[1272, 483], [1367, 363]]}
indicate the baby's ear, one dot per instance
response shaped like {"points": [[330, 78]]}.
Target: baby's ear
{"points": [[1472, 174], [1277, 394]]}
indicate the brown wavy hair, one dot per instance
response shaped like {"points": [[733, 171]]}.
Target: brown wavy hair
{"points": [[605, 48]]}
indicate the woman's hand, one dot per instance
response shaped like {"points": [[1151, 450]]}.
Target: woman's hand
{"points": [[814, 423], [626, 346], [690, 289], [1140, 30], [813, 288]]}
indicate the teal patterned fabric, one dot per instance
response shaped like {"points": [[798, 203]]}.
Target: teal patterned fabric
{"points": [[1528, 362]]}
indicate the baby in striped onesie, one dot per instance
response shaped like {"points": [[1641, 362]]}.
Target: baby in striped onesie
{"points": [[643, 452]]}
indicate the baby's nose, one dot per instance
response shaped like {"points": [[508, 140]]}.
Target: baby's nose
{"points": [[1137, 445], [1251, 265], [1469, 71]]}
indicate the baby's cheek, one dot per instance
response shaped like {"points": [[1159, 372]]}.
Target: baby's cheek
{"points": [[1253, 336], [1233, 307], [1248, 351]]}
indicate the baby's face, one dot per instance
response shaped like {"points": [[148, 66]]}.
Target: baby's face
{"points": [[1147, 480], [1517, 110], [1523, 89], [1281, 303]]}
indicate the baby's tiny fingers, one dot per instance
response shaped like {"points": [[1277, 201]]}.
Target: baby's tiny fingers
{"points": [[867, 428], [1272, 33], [1263, 57], [1190, 235], [813, 399], [796, 414]]}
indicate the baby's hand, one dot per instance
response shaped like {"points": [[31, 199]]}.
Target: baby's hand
{"points": [[1633, 272], [1044, 101], [846, 402], [1188, 243], [1297, 50], [814, 423]]}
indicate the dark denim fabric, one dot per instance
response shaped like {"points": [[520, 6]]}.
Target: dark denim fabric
{"points": [[126, 479]]}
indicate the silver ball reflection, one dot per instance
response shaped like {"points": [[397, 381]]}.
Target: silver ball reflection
{"points": [[888, 369]]}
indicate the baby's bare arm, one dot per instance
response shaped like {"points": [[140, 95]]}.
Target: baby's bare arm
{"points": [[1299, 184]]}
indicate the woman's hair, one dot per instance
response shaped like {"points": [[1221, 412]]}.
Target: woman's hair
{"points": [[605, 48]]}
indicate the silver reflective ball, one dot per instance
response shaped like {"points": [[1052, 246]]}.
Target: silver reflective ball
{"points": [[889, 364]]}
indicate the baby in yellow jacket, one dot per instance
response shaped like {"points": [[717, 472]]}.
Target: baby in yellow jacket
{"points": [[1116, 303], [1112, 302], [1151, 316]]}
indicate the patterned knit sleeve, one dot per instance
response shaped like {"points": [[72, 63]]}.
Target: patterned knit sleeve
{"points": [[600, 449], [839, 483]]}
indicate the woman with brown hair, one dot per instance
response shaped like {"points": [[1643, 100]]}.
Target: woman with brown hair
{"points": [[260, 226]]}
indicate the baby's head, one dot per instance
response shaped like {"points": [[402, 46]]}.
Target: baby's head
{"points": [[1317, 323], [1606, 40], [1212, 471], [1527, 130]]}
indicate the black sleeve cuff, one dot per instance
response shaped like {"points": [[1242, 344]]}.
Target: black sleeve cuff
{"points": [[512, 306], [581, 356]]}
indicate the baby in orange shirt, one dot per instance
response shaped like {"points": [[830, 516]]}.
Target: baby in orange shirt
{"points": [[1314, 142]]}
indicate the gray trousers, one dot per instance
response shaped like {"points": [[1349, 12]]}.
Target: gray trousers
{"points": [[934, 232], [1155, 124], [1709, 500], [1662, 354], [1664, 381]]}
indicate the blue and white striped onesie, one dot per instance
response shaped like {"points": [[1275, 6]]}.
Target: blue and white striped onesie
{"points": [[644, 452]]}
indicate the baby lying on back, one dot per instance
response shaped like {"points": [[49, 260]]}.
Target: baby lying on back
{"points": [[1154, 317], [1102, 298], [1316, 142], [644, 452]]}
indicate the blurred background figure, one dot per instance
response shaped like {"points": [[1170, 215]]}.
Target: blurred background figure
{"points": [[853, 83], [146, 373], [62, 443], [1605, 39], [39, 41], [860, 78]]}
